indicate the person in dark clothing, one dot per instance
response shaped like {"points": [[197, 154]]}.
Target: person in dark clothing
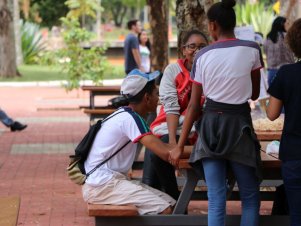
{"points": [[285, 92], [132, 56]]}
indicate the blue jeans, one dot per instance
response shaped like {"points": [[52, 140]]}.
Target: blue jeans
{"points": [[291, 173], [248, 184], [5, 119], [271, 75]]}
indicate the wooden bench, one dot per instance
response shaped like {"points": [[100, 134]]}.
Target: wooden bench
{"points": [[111, 210], [9, 210], [112, 215]]}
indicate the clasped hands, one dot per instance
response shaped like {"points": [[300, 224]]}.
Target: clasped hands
{"points": [[175, 154]]}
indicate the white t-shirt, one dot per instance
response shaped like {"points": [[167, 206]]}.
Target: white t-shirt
{"points": [[224, 70], [114, 133], [145, 58]]}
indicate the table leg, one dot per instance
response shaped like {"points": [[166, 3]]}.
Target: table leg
{"points": [[185, 196], [92, 106]]}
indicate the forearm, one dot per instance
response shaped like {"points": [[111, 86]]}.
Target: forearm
{"points": [[172, 125], [137, 58], [156, 146], [191, 115], [255, 78]]}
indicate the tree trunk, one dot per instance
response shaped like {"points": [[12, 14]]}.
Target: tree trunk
{"points": [[190, 15], [7, 41], [118, 12], [19, 58], [158, 19]]}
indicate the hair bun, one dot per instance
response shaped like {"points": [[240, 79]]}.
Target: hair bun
{"points": [[228, 4]]}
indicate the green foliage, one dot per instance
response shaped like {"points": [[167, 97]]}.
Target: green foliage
{"points": [[50, 11], [79, 63], [82, 7], [256, 14], [118, 10], [30, 41]]}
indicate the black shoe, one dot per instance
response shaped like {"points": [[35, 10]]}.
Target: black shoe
{"points": [[17, 126]]}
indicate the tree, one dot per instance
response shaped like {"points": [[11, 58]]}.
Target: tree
{"points": [[50, 11], [119, 8], [191, 14], [8, 66], [158, 19], [19, 58]]}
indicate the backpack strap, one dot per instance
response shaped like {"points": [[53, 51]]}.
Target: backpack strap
{"points": [[100, 164]]}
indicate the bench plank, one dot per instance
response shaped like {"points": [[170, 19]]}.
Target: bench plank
{"points": [[112, 210], [9, 210]]}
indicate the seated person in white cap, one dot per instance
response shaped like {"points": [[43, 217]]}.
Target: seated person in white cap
{"points": [[109, 184]]}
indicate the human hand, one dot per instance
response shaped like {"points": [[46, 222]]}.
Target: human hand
{"points": [[174, 155]]}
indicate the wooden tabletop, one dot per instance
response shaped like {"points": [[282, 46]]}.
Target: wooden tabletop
{"points": [[268, 135], [268, 161], [101, 88]]}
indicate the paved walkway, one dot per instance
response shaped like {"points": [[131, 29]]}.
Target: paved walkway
{"points": [[33, 162]]}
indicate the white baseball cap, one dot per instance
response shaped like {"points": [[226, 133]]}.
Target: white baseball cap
{"points": [[135, 81]]}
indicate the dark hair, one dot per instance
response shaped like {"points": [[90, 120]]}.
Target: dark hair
{"points": [[223, 14], [277, 26], [148, 45], [131, 23], [193, 32], [293, 38], [148, 88]]}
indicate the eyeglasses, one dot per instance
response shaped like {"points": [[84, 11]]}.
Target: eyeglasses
{"points": [[194, 46]]}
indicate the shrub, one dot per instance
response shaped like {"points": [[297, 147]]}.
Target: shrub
{"points": [[256, 14], [31, 42], [81, 63]]}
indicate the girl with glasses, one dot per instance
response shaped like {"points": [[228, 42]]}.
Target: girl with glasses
{"points": [[174, 92]]}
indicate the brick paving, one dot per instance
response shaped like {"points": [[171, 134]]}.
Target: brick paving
{"points": [[33, 161]]}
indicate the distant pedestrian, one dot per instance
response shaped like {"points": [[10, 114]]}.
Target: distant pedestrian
{"points": [[275, 48], [285, 92], [144, 49], [9, 122], [131, 47]]}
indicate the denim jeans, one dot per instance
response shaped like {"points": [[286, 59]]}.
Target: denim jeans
{"points": [[5, 119], [271, 75], [291, 173], [215, 174]]}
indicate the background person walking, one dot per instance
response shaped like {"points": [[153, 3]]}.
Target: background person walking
{"points": [[144, 49], [275, 48], [131, 47], [9, 122]]}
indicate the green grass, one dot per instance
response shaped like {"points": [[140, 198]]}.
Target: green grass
{"points": [[52, 73]]}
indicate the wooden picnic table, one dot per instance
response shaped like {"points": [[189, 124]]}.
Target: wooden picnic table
{"points": [[99, 111], [100, 91]]}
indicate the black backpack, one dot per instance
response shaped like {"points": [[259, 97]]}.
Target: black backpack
{"points": [[76, 170]]}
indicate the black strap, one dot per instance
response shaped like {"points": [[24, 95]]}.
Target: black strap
{"points": [[100, 164]]}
